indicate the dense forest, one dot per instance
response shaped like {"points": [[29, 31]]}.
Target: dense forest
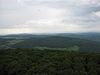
{"points": [[46, 61], [55, 54], [51, 41]]}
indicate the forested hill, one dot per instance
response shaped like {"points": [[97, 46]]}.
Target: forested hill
{"points": [[51, 42], [48, 55], [90, 36]]}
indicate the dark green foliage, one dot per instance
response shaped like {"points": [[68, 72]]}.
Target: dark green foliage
{"points": [[54, 42], [89, 42], [48, 62], [60, 42]]}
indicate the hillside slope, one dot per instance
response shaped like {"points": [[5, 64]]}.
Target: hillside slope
{"points": [[57, 42], [51, 41]]}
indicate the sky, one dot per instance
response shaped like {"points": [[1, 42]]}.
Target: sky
{"points": [[49, 16]]}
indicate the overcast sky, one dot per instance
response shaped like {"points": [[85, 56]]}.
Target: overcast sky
{"points": [[49, 16]]}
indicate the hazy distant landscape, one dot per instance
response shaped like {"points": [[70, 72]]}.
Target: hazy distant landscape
{"points": [[49, 37], [50, 54], [89, 42]]}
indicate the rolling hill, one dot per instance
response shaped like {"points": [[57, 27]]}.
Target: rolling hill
{"points": [[51, 41]]}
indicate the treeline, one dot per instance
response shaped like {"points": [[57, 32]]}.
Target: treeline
{"points": [[48, 62]]}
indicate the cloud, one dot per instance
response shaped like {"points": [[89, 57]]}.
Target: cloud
{"points": [[97, 14], [36, 16], [15, 30]]}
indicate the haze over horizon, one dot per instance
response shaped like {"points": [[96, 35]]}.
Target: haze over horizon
{"points": [[49, 16]]}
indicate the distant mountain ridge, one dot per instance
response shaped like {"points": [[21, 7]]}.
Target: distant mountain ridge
{"points": [[90, 36], [85, 41]]}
